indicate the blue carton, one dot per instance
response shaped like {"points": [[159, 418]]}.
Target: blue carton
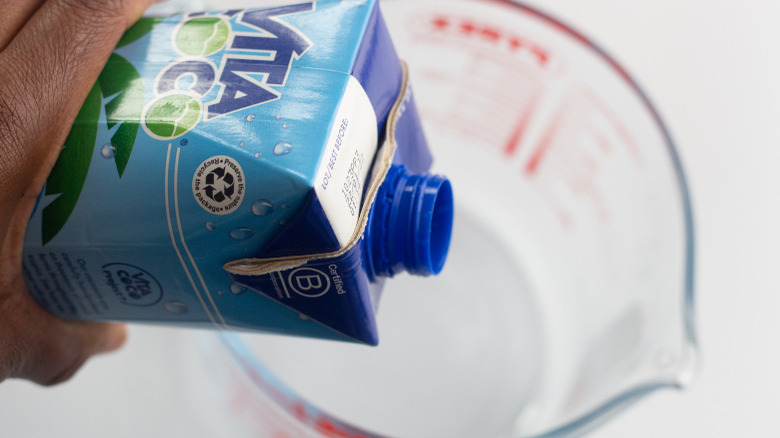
{"points": [[254, 169]]}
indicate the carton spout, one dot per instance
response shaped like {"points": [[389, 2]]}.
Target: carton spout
{"points": [[410, 224]]}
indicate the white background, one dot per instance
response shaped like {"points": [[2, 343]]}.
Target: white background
{"points": [[713, 70]]}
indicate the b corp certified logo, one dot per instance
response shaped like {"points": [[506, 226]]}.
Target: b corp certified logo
{"points": [[309, 282]]}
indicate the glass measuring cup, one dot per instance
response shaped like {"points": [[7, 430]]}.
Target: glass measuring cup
{"points": [[568, 293]]}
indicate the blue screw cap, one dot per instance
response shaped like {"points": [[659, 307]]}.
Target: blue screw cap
{"points": [[410, 225]]}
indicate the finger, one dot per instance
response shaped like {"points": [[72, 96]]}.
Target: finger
{"points": [[36, 346], [12, 233], [48, 69], [15, 14]]}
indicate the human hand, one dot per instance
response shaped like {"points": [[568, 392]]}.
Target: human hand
{"points": [[51, 53]]}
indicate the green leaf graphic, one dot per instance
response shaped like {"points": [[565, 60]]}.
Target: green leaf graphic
{"points": [[120, 78], [138, 30], [70, 171]]}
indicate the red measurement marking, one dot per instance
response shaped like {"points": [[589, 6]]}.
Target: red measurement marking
{"points": [[321, 423], [513, 143], [440, 22], [299, 411], [516, 43], [467, 28], [331, 430], [541, 55], [544, 145], [489, 33], [583, 40]]}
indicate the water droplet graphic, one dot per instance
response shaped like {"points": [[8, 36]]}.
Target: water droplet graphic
{"points": [[262, 207], [258, 155], [285, 125], [107, 151], [242, 144], [211, 226], [184, 142], [236, 289], [250, 118], [282, 148], [176, 307], [278, 117], [241, 233]]}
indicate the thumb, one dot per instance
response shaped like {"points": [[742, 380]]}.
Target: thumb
{"points": [[37, 346]]}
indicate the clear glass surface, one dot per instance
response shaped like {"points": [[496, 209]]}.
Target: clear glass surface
{"points": [[569, 289]]}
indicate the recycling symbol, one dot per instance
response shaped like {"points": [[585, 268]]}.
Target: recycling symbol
{"points": [[220, 185]]}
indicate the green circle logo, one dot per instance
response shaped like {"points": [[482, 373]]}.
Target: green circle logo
{"points": [[202, 36], [171, 116]]}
